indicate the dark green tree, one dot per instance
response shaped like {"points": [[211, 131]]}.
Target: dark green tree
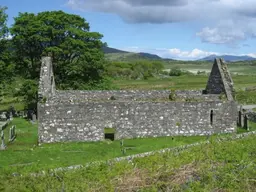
{"points": [[76, 52], [28, 91], [6, 66], [3, 23]]}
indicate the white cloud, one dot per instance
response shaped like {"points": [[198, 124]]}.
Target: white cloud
{"points": [[233, 20], [229, 32], [221, 36], [193, 54], [251, 55], [175, 53]]}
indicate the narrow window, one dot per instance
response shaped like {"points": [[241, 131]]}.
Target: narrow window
{"points": [[109, 133], [211, 116], [51, 80]]}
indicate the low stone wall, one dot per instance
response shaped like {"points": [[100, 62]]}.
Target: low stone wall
{"points": [[130, 158], [251, 116], [85, 121]]}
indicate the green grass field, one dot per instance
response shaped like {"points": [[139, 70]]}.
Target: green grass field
{"points": [[218, 166], [182, 82], [24, 155]]}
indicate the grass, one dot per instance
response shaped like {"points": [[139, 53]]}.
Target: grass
{"points": [[19, 106], [218, 166], [7, 95], [182, 82], [109, 130], [23, 155], [252, 127], [246, 97]]}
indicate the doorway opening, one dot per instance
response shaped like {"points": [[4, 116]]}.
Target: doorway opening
{"points": [[109, 133]]}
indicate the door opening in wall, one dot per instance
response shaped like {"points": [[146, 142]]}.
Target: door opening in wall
{"points": [[211, 117], [109, 133]]}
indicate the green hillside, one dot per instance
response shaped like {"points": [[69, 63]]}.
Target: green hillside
{"points": [[113, 54]]}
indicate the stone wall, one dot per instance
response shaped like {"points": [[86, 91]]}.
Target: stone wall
{"points": [[82, 115], [251, 116], [75, 96], [85, 121]]}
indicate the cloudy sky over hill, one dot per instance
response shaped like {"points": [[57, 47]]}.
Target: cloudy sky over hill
{"points": [[181, 29]]}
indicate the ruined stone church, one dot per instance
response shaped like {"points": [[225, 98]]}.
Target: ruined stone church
{"points": [[79, 115]]}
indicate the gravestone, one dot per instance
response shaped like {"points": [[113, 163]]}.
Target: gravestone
{"points": [[3, 117], [21, 114], [13, 113], [34, 117], [7, 114], [12, 133], [3, 147], [29, 114], [11, 116]]}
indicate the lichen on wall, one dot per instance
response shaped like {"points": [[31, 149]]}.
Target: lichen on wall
{"points": [[86, 121]]}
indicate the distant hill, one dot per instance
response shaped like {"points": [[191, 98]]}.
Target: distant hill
{"points": [[107, 50], [120, 55], [228, 58], [149, 55]]}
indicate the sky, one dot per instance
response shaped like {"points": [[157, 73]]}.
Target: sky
{"points": [[178, 29]]}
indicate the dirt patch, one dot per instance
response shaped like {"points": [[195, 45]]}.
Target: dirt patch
{"points": [[133, 180], [141, 178]]}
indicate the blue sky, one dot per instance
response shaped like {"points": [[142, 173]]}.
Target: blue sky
{"points": [[179, 29]]}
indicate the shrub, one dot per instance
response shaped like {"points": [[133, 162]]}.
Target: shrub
{"points": [[175, 72], [172, 95]]}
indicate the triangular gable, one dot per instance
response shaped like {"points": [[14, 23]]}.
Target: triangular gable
{"points": [[220, 80]]}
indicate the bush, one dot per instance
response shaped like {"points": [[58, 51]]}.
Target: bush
{"points": [[201, 73], [172, 95], [141, 69], [175, 72]]}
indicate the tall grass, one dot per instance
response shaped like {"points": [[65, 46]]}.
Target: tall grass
{"points": [[217, 166]]}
